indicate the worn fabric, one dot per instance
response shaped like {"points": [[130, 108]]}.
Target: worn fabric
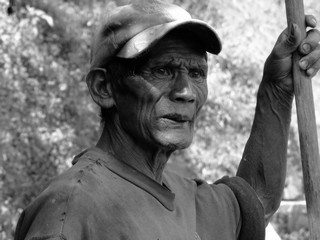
{"points": [[252, 214], [103, 198]]}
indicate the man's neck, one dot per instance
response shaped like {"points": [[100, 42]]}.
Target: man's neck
{"points": [[141, 156]]}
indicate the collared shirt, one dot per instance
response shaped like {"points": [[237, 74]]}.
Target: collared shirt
{"points": [[100, 197]]}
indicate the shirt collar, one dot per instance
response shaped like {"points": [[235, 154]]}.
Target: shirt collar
{"points": [[161, 192]]}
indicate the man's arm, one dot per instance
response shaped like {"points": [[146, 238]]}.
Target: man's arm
{"points": [[263, 164]]}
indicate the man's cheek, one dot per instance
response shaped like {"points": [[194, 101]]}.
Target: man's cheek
{"points": [[138, 120], [202, 95]]}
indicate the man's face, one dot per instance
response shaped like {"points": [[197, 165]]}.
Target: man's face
{"points": [[159, 104]]}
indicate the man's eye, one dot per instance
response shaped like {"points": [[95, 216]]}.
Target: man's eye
{"points": [[162, 72], [196, 74]]}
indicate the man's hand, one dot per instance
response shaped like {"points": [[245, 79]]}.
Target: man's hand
{"points": [[278, 67]]}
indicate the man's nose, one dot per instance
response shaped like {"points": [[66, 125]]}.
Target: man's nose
{"points": [[182, 89]]}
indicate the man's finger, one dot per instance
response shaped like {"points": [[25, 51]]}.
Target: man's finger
{"points": [[287, 45], [311, 21], [311, 42], [311, 63]]}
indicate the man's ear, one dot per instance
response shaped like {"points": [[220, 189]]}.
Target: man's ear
{"points": [[98, 81]]}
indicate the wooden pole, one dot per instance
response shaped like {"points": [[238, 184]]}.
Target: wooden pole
{"points": [[307, 125]]}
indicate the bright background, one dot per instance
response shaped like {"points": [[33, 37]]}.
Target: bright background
{"points": [[47, 116]]}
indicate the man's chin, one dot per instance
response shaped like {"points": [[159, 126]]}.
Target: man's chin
{"points": [[172, 143]]}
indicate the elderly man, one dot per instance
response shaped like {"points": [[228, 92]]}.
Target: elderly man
{"points": [[149, 76]]}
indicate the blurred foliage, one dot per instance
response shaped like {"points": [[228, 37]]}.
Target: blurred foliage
{"points": [[291, 220], [47, 115]]}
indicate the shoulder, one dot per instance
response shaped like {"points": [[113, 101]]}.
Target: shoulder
{"points": [[63, 205], [177, 182], [203, 191], [207, 197]]}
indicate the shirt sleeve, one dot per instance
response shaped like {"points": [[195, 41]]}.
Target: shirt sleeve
{"points": [[252, 211], [218, 211]]}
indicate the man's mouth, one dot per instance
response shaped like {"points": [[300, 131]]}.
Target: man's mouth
{"points": [[177, 118]]}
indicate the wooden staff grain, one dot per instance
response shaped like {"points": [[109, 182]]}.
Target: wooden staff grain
{"points": [[307, 125]]}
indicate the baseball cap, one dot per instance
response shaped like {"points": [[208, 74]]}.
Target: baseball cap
{"points": [[130, 30]]}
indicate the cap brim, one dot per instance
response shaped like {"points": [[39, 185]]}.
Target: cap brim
{"points": [[208, 38]]}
